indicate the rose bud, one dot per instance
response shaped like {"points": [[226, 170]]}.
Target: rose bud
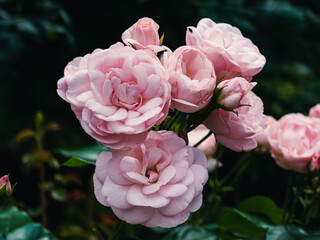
{"points": [[233, 91], [5, 188]]}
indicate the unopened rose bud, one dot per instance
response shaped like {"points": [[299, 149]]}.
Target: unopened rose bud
{"points": [[233, 91], [5, 188]]}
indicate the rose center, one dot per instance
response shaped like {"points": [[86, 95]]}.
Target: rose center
{"points": [[126, 95], [152, 175]]}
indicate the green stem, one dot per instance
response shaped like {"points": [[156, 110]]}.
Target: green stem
{"points": [[203, 139], [237, 168], [285, 216], [116, 229]]}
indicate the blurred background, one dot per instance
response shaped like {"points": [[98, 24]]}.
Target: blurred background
{"points": [[39, 37]]}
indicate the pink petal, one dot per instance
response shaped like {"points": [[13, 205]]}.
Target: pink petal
{"points": [[137, 198], [174, 190], [116, 194]]}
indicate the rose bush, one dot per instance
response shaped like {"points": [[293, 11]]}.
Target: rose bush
{"points": [[156, 184], [192, 79], [230, 52], [237, 130], [117, 94], [294, 140]]}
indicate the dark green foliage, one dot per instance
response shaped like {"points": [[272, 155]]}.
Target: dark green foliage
{"points": [[16, 224]]}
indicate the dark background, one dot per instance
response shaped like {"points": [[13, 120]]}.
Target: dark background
{"points": [[39, 37]]}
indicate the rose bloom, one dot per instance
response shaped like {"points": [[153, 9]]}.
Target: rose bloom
{"points": [[233, 91], [156, 184], [237, 131], [315, 111], [192, 79], [143, 35], [230, 52], [117, 94], [294, 140]]}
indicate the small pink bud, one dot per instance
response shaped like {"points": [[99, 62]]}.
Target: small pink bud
{"points": [[233, 91], [5, 181]]}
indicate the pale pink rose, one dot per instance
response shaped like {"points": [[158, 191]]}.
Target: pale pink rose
{"points": [[117, 94], [315, 111], [262, 137], [143, 35], [238, 131], [233, 91], [230, 52], [208, 146], [4, 181], [156, 184], [192, 79], [294, 140]]}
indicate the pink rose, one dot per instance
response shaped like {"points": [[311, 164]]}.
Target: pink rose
{"points": [[208, 146], [315, 111], [143, 35], [227, 49], [262, 137], [192, 79], [294, 140], [233, 91], [237, 131], [117, 94], [156, 184]]}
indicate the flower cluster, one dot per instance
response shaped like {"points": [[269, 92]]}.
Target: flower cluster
{"points": [[121, 93]]}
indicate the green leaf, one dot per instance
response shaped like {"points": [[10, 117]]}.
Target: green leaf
{"points": [[75, 162], [239, 225], [263, 205], [31, 231], [87, 155], [259, 221], [293, 233], [189, 232], [11, 218]]}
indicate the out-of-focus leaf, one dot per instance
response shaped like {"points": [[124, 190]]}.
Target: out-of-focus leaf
{"points": [[28, 28], [189, 232], [31, 231], [10, 44], [59, 194], [87, 155], [11, 218], [75, 162], [293, 233], [263, 205]]}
